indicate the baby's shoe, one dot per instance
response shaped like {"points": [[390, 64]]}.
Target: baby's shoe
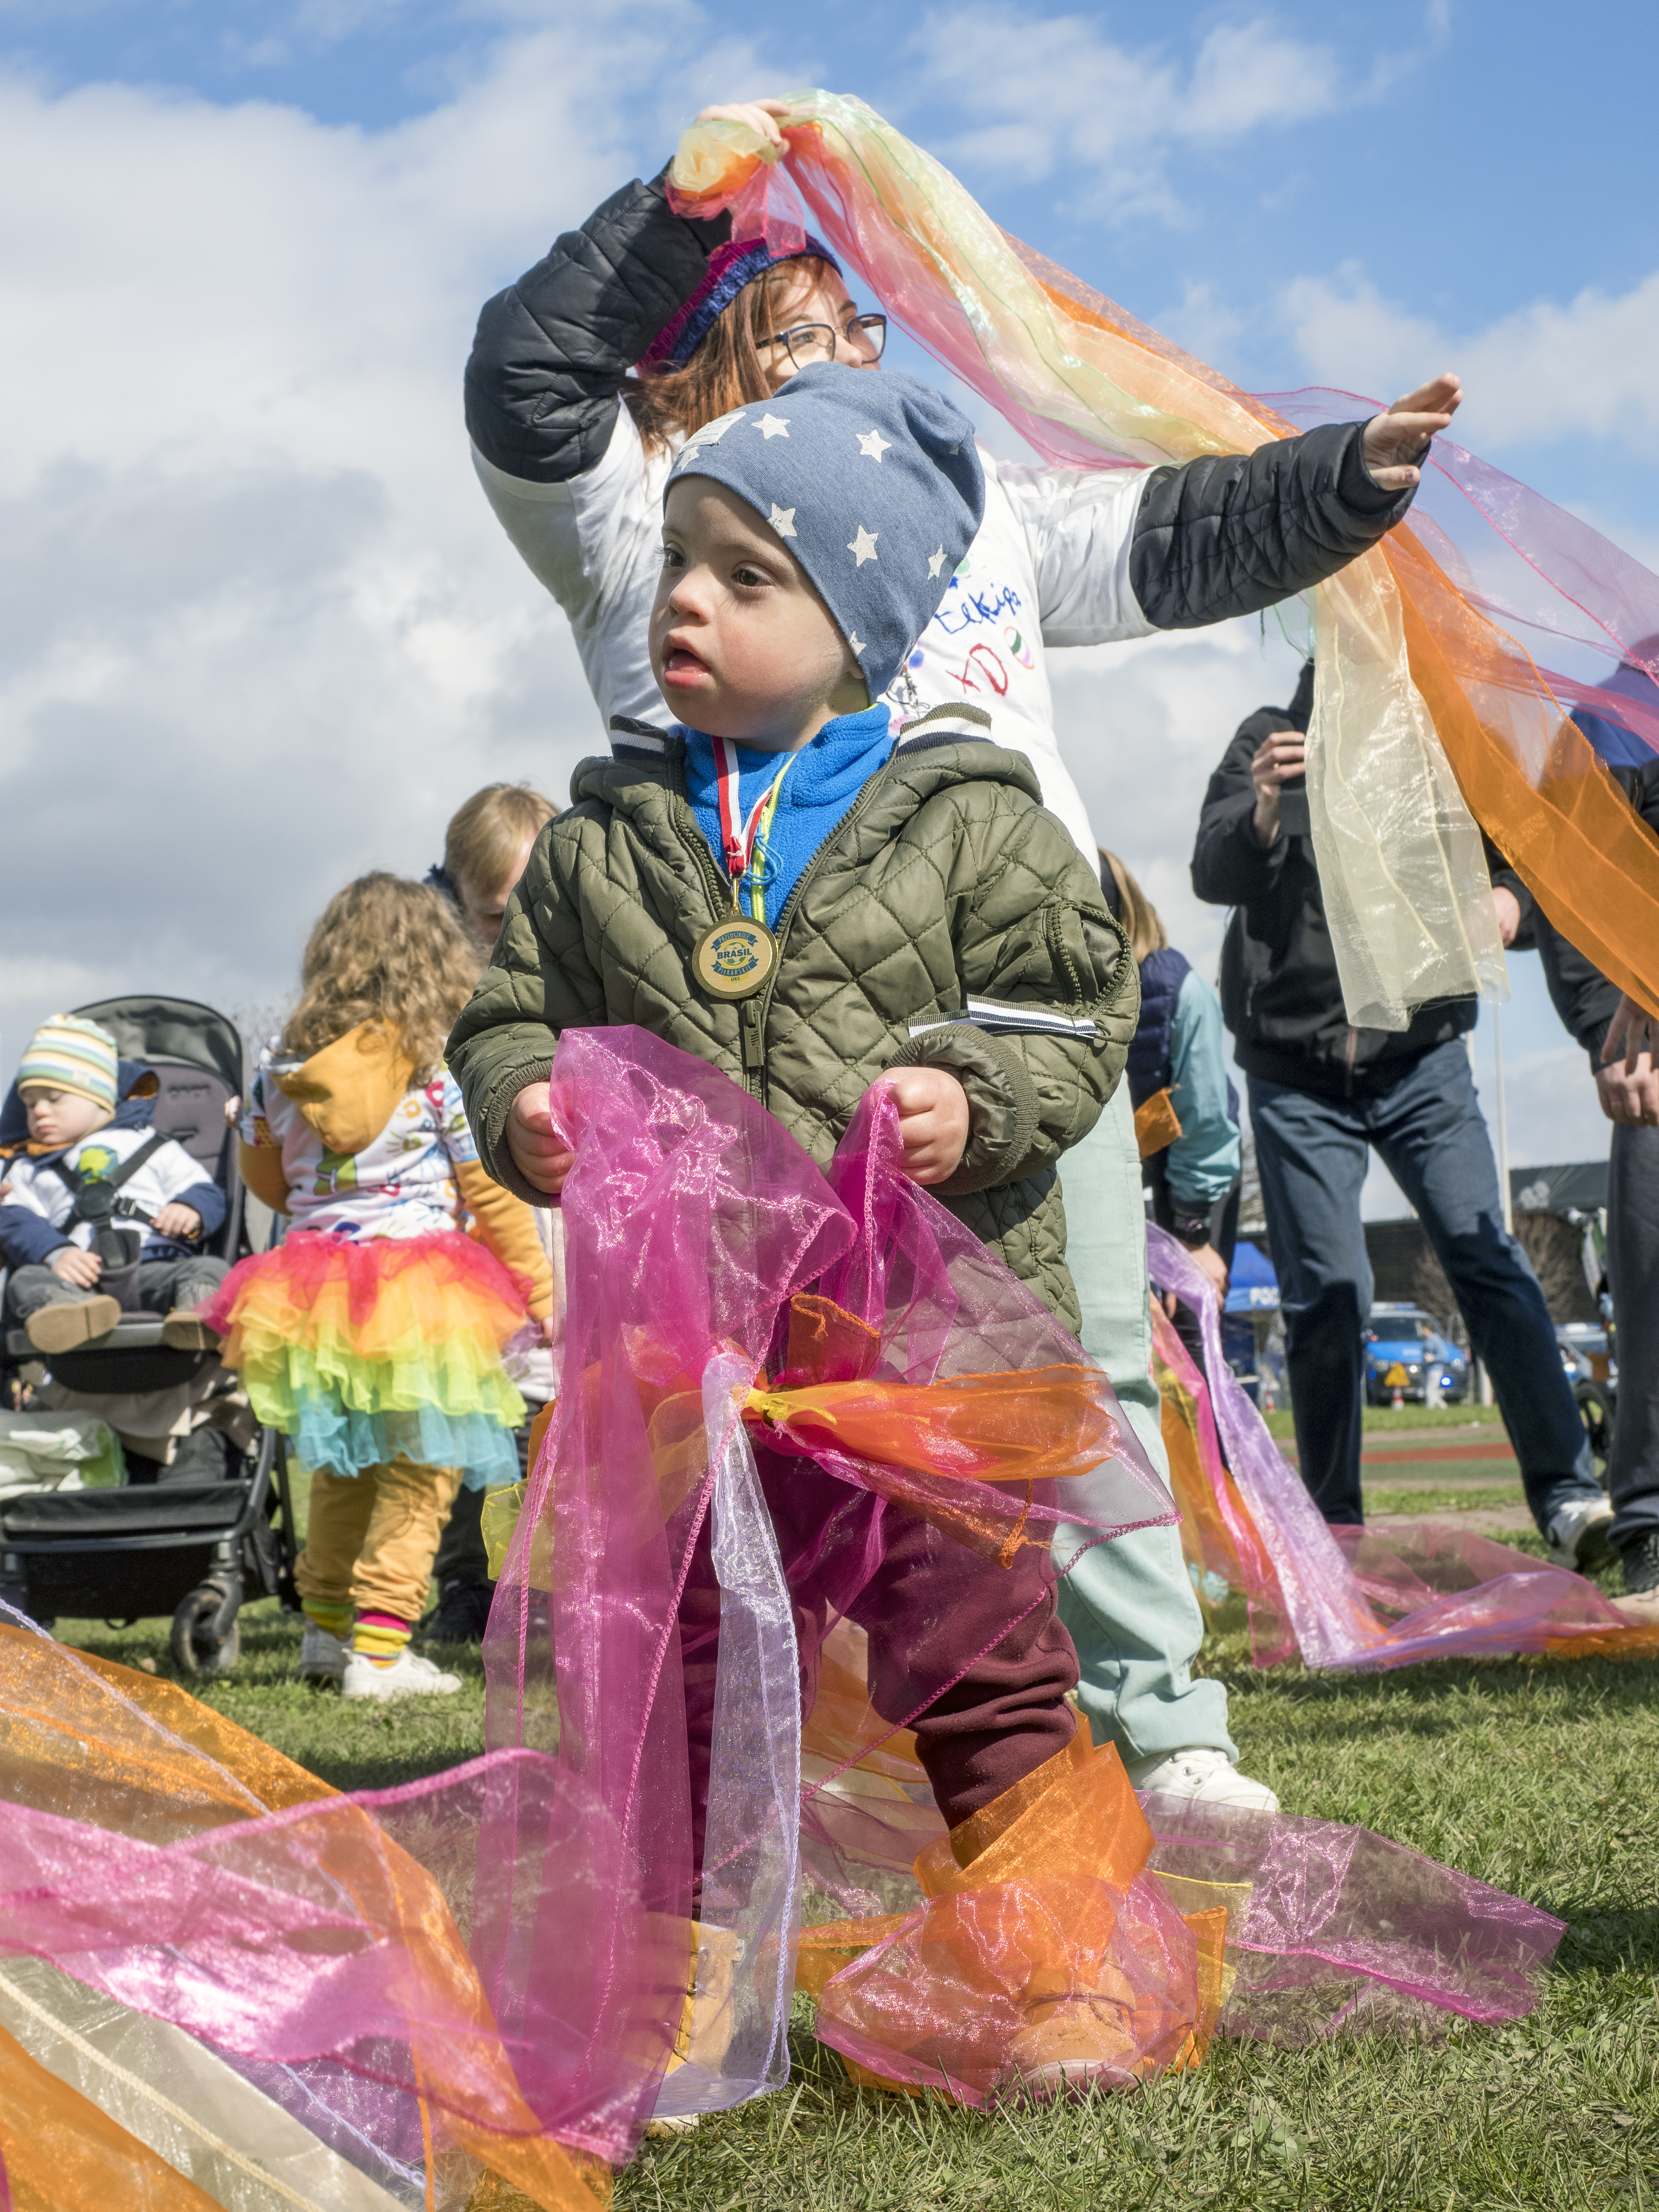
{"points": [[408, 1675], [72, 1323], [1577, 1534], [185, 1331], [322, 1656], [1202, 1773]]}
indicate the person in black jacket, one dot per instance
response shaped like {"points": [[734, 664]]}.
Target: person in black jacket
{"points": [[1618, 1034], [1321, 1095]]}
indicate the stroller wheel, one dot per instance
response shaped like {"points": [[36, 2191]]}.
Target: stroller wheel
{"points": [[196, 1647]]}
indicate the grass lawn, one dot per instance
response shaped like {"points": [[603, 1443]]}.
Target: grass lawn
{"points": [[1536, 1777], [1480, 1421], [1430, 1500]]}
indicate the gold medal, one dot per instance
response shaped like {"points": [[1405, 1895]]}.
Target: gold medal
{"points": [[733, 957]]}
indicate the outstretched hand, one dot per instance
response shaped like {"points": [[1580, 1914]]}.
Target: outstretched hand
{"points": [[537, 1145], [1628, 1089], [1397, 442]]}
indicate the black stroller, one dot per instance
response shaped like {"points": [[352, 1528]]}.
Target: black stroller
{"points": [[220, 1526]]}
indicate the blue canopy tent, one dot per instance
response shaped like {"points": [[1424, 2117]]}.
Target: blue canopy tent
{"points": [[1252, 1286]]}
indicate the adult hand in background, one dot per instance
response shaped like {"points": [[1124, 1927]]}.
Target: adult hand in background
{"points": [[1214, 1266], [1397, 442], [933, 1108], [1509, 913], [1627, 1082], [1276, 760], [538, 1146]]}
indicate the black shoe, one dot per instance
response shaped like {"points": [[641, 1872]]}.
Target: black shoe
{"points": [[459, 1616], [1641, 1565]]}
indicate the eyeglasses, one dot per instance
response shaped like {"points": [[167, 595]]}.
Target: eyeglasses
{"points": [[807, 342]]}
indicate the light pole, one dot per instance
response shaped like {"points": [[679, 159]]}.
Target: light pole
{"points": [[1503, 1120]]}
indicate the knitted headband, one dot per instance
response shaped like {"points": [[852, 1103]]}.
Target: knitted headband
{"points": [[871, 480], [731, 267], [69, 1053]]}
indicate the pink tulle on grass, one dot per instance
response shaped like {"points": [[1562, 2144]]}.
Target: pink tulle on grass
{"points": [[1363, 1597]]}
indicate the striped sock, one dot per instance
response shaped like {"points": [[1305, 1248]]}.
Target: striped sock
{"points": [[336, 1619], [379, 1637]]}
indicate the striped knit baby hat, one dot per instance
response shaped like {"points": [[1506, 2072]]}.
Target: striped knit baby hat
{"points": [[69, 1053]]}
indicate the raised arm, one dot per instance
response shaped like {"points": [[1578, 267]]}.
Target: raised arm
{"points": [[552, 351], [1230, 534], [1231, 866]]}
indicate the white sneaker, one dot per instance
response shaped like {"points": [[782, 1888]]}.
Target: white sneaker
{"points": [[322, 1656], [1206, 1775], [1578, 1534], [408, 1676]]}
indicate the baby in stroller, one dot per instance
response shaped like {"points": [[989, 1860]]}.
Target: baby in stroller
{"points": [[100, 1214]]}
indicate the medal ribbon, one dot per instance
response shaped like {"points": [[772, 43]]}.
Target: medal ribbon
{"points": [[739, 838]]}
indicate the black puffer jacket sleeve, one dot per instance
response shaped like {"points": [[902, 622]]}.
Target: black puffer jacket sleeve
{"points": [[1229, 534], [552, 351]]}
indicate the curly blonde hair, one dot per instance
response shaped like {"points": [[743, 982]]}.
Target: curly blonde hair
{"points": [[386, 951]]}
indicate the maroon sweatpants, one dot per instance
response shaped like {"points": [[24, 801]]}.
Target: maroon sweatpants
{"points": [[980, 1648]]}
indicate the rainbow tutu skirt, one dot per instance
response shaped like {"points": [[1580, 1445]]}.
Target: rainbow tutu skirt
{"points": [[362, 1352]]}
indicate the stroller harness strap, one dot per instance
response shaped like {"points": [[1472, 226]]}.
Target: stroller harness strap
{"points": [[98, 1201]]}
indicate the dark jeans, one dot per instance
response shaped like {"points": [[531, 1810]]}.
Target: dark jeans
{"points": [[1313, 1152], [162, 1286], [1633, 1278]]}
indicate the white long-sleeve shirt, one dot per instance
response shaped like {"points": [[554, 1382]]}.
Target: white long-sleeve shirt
{"points": [[1050, 566]]}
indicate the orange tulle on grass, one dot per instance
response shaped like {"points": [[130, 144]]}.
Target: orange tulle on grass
{"points": [[119, 1761]]}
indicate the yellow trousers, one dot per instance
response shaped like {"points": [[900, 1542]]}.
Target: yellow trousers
{"points": [[371, 1538]]}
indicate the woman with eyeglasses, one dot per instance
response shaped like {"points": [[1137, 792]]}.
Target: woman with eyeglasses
{"points": [[641, 329]]}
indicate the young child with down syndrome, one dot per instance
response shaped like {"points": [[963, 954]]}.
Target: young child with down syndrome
{"points": [[776, 885]]}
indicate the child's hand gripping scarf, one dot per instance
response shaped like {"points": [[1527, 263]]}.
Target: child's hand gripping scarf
{"points": [[1430, 711], [775, 1385]]}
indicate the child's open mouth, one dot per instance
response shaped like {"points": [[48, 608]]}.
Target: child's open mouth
{"points": [[681, 666]]}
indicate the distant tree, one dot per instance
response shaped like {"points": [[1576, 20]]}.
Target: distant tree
{"points": [[1553, 1246], [1430, 1290]]}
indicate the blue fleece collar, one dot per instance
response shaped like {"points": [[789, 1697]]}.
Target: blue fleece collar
{"points": [[824, 779]]}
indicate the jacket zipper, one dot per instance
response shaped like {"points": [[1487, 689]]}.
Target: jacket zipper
{"points": [[1353, 1040], [752, 1012]]}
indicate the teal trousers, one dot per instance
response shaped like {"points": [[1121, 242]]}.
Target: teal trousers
{"points": [[1129, 1604]]}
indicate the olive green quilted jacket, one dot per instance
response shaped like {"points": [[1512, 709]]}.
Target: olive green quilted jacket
{"points": [[947, 920]]}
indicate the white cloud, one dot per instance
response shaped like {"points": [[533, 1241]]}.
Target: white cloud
{"points": [[1050, 93], [257, 630], [1543, 373]]}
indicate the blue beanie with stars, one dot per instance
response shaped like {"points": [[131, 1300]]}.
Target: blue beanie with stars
{"points": [[871, 481]]}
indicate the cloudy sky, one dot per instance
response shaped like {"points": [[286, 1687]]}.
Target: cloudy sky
{"points": [[259, 631]]}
